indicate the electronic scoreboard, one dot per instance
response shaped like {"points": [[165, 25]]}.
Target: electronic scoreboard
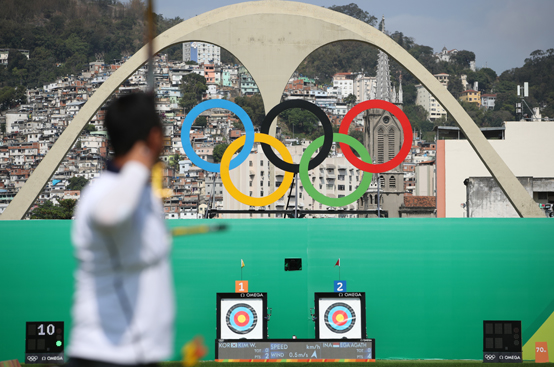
{"points": [[502, 341], [296, 349], [44, 342]]}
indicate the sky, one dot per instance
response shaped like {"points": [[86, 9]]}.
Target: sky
{"points": [[501, 33]]}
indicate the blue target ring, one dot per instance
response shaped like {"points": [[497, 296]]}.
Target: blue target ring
{"points": [[241, 318], [340, 318]]}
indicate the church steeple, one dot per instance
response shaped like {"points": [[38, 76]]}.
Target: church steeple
{"points": [[383, 85], [400, 93]]}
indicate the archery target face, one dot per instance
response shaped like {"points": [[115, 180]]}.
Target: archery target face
{"points": [[340, 318], [241, 318]]}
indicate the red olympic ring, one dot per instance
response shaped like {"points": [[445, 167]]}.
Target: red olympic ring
{"points": [[406, 128], [344, 318], [246, 318]]}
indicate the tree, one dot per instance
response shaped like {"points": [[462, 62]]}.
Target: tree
{"points": [[463, 58], [300, 120], [254, 107], [418, 117], [354, 11], [201, 121], [50, 211], [77, 183], [193, 87], [90, 128], [173, 161], [484, 76], [356, 134], [218, 152], [455, 87], [350, 99]]}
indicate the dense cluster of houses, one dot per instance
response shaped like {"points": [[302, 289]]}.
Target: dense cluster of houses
{"points": [[32, 129]]}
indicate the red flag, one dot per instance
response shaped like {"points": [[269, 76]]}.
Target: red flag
{"points": [[338, 263]]}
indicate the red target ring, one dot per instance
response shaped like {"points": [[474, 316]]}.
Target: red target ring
{"points": [[406, 128], [340, 318], [241, 318]]}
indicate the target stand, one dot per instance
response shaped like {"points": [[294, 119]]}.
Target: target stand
{"points": [[340, 315], [242, 316]]}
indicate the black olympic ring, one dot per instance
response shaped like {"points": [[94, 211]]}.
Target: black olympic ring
{"points": [[327, 130]]}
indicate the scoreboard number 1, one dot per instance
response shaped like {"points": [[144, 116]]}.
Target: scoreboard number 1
{"points": [[241, 286]]}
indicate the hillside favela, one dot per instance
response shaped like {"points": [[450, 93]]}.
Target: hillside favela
{"points": [[53, 59]]}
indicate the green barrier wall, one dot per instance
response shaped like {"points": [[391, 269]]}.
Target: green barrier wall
{"points": [[429, 282]]}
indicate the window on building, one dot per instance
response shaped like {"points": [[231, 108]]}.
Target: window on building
{"points": [[261, 193], [392, 146], [341, 187], [392, 182], [380, 145], [381, 181], [250, 183], [261, 163]]}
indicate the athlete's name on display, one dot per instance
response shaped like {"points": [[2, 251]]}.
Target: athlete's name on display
{"points": [[237, 345], [256, 295], [350, 294]]}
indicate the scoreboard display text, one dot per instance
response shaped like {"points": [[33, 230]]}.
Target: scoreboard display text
{"points": [[297, 349], [44, 342]]}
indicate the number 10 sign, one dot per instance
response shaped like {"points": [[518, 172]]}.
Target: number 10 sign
{"points": [[44, 342]]}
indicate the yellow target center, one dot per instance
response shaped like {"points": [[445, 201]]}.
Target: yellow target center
{"points": [[340, 318], [242, 318]]}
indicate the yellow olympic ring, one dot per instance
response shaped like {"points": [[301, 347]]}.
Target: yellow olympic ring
{"points": [[234, 192]]}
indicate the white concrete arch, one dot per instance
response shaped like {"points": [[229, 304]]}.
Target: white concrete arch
{"points": [[271, 38]]}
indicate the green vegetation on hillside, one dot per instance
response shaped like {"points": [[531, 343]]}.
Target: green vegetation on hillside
{"points": [[64, 35]]}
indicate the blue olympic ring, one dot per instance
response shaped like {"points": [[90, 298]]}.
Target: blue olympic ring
{"points": [[346, 311], [250, 318], [206, 105]]}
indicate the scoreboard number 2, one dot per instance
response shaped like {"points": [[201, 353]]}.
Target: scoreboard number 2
{"points": [[339, 286]]}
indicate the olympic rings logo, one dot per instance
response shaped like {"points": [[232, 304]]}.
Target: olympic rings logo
{"points": [[490, 357], [307, 163], [32, 358]]}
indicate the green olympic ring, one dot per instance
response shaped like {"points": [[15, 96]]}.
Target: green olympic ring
{"points": [[319, 197]]}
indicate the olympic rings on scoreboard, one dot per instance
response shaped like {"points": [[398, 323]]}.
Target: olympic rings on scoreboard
{"points": [[241, 318], [340, 318], [285, 163]]}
